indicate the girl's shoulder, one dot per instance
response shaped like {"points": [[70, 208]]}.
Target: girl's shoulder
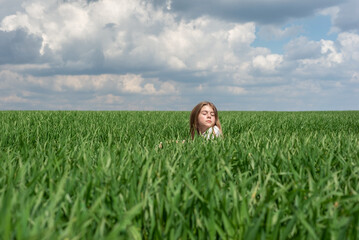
{"points": [[216, 129], [212, 132]]}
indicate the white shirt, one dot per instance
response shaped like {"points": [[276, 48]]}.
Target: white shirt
{"points": [[210, 134]]}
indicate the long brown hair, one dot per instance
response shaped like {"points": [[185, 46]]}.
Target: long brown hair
{"points": [[193, 119]]}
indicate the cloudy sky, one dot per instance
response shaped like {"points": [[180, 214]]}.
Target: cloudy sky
{"points": [[170, 54]]}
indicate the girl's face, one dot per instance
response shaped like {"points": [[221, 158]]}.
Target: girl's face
{"points": [[206, 118]]}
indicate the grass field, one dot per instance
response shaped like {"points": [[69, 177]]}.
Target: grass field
{"points": [[101, 175]]}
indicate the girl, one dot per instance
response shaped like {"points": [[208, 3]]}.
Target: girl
{"points": [[204, 121]]}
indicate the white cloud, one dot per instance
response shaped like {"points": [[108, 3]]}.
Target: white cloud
{"points": [[332, 55], [236, 90], [267, 63], [129, 34], [106, 91], [344, 16], [111, 52], [12, 99], [242, 35], [302, 48], [324, 56], [132, 84], [349, 43], [272, 32], [121, 84], [107, 99], [168, 4]]}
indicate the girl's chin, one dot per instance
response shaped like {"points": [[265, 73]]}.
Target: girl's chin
{"points": [[207, 125]]}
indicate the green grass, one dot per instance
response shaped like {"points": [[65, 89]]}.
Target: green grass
{"points": [[101, 175]]}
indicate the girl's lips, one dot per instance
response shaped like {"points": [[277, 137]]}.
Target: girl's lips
{"points": [[209, 121]]}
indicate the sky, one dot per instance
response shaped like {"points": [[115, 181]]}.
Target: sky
{"points": [[261, 55]]}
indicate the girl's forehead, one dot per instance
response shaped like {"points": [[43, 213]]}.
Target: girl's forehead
{"points": [[207, 108]]}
